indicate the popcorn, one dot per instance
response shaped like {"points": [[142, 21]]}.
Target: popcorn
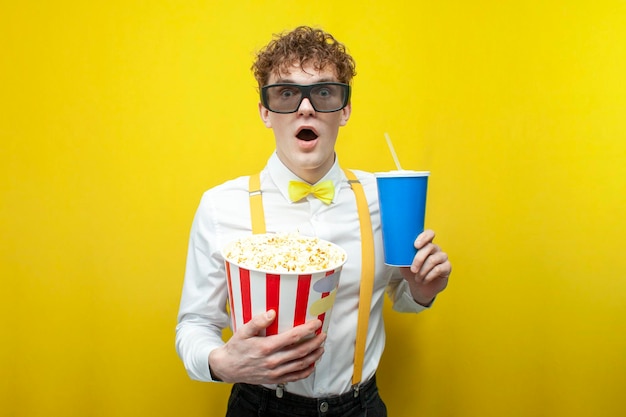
{"points": [[284, 252]]}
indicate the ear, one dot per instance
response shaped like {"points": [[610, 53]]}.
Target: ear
{"points": [[345, 114], [265, 115]]}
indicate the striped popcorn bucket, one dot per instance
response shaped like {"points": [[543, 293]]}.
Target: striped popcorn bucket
{"points": [[296, 297]]}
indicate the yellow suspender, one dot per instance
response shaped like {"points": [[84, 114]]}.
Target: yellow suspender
{"points": [[367, 274], [256, 205], [367, 258]]}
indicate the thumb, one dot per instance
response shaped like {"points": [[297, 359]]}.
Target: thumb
{"points": [[258, 323]]}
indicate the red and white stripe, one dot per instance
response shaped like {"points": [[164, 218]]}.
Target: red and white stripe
{"points": [[290, 295]]}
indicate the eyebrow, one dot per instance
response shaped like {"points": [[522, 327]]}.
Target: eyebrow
{"points": [[290, 81]]}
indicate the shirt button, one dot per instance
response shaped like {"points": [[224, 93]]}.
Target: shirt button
{"points": [[323, 406]]}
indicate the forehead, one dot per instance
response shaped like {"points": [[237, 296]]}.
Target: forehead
{"points": [[307, 74]]}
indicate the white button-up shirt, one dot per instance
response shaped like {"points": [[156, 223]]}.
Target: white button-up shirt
{"points": [[224, 215]]}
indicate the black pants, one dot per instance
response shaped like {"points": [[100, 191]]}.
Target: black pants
{"points": [[257, 401]]}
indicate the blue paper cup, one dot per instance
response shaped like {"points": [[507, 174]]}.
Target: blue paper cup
{"points": [[402, 200]]}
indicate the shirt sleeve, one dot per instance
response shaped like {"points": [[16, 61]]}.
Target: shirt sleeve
{"points": [[400, 294], [202, 313]]}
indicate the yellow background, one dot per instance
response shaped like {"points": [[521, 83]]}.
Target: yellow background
{"points": [[116, 115]]}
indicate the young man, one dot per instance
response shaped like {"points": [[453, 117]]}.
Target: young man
{"points": [[304, 77]]}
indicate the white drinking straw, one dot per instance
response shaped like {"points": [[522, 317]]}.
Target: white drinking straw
{"points": [[393, 152]]}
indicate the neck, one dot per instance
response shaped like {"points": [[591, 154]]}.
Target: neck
{"points": [[311, 175]]}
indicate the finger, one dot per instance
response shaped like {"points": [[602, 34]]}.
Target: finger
{"points": [[294, 358], [296, 335], [441, 270], [300, 366], [257, 324], [433, 266], [301, 369], [422, 254], [424, 238], [297, 352]]}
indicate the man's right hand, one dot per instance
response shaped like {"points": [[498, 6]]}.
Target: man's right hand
{"points": [[254, 359]]}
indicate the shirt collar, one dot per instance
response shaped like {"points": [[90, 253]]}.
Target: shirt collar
{"points": [[281, 175]]}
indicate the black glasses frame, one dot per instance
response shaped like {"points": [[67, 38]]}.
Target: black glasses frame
{"points": [[305, 90]]}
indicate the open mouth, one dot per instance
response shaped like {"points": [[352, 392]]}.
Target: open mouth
{"points": [[307, 135]]}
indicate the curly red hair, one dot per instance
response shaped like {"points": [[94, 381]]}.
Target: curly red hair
{"points": [[303, 46]]}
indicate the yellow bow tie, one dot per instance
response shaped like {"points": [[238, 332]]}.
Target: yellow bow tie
{"points": [[324, 191]]}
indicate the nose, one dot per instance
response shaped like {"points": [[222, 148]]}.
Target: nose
{"points": [[306, 107]]}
